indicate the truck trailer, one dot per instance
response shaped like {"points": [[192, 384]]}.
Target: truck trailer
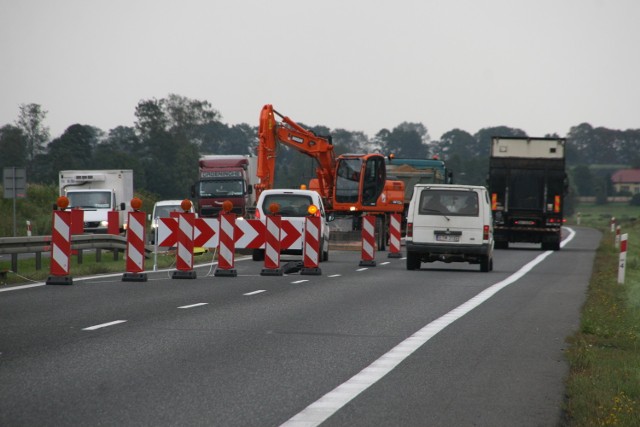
{"points": [[97, 192], [527, 184], [222, 178]]}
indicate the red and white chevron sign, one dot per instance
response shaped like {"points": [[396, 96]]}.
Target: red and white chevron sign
{"points": [[206, 233], [167, 231], [61, 243], [249, 233]]}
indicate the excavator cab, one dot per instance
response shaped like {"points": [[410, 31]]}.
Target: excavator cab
{"points": [[360, 179]]}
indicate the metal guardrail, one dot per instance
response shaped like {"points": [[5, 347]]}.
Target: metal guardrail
{"points": [[38, 245]]}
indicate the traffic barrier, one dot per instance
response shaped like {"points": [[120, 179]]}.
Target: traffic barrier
{"points": [[368, 241], [394, 236], [623, 258], [226, 246], [184, 252], [272, 247], [135, 247], [311, 250], [61, 246], [113, 222]]}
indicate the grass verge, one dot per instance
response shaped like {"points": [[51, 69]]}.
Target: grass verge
{"points": [[603, 387]]}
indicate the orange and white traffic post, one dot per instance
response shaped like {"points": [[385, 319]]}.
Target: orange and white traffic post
{"points": [[135, 244], [311, 243], [623, 258], [60, 265], [184, 252], [368, 241], [226, 243], [272, 243]]}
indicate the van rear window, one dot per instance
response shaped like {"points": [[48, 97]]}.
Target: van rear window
{"points": [[448, 202], [295, 205]]}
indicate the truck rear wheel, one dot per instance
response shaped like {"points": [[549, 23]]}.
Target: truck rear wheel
{"points": [[413, 261]]}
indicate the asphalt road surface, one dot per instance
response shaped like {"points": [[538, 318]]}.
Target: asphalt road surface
{"points": [[445, 345]]}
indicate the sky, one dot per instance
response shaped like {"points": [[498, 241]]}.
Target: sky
{"points": [[542, 66]]}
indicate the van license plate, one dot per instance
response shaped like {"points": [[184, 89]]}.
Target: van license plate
{"points": [[447, 238]]}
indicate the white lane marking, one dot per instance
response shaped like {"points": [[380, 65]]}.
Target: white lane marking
{"points": [[194, 305], [335, 275], [384, 263], [255, 292], [330, 403], [362, 269], [300, 281], [103, 325]]}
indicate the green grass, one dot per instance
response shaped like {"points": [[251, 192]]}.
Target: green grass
{"points": [[603, 388]]}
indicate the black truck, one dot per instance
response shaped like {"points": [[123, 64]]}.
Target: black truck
{"points": [[527, 183]]}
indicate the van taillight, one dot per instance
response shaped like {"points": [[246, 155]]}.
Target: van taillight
{"points": [[409, 229], [485, 232], [257, 214]]}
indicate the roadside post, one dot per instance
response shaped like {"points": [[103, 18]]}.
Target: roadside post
{"points": [[272, 243], [617, 240], [226, 243], [612, 223], [184, 252], [394, 236], [623, 258], [368, 241], [60, 264], [311, 247], [135, 244]]}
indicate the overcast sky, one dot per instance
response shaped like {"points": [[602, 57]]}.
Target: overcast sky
{"points": [[542, 66]]}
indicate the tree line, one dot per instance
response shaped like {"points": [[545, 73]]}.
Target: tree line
{"points": [[170, 134]]}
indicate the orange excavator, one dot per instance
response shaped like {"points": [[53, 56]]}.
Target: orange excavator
{"points": [[349, 184]]}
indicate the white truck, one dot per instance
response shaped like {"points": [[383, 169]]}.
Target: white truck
{"points": [[97, 192]]}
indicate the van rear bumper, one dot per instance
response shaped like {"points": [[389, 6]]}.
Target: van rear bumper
{"points": [[448, 249]]}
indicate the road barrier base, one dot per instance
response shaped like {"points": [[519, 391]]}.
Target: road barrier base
{"points": [[271, 272], [311, 271], [134, 277], [60, 280], [394, 255], [367, 263], [226, 272], [184, 274]]}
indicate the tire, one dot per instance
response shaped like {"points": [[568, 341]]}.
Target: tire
{"points": [[485, 263], [324, 255], [502, 245], [258, 255], [413, 261]]}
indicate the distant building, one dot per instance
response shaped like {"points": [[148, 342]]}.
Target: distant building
{"points": [[626, 180]]}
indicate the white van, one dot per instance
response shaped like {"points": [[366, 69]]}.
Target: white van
{"points": [[293, 205], [449, 223]]}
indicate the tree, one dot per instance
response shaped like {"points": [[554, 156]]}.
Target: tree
{"points": [[72, 150], [12, 147], [583, 180], [30, 120], [408, 140]]}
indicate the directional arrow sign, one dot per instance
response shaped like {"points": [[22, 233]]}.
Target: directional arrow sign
{"points": [[205, 234], [249, 234], [291, 236], [167, 231]]}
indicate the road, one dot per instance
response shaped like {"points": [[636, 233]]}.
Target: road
{"points": [[381, 346]]}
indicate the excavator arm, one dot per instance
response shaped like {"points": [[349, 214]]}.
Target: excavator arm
{"points": [[287, 132]]}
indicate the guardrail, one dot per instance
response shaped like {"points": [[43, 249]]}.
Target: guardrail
{"points": [[38, 245]]}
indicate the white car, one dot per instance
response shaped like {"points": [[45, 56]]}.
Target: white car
{"points": [[293, 206], [163, 209]]}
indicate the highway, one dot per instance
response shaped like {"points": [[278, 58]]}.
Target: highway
{"points": [[445, 345]]}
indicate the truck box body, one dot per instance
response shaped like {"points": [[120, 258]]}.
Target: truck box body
{"points": [[222, 178], [97, 192], [527, 183]]}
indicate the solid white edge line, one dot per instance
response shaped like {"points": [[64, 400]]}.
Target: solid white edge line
{"points": [[320, 410], [194, 305], [103, 325]]}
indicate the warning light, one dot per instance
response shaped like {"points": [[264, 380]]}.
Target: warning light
{"points": [[274, 208], [186, 205], [62, 202], [227, 205], [303, 186], [312, 209], [136, 204]]}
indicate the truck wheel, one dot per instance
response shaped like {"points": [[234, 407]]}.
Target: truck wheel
{"points": [[485, 263], [413, 261], [258, 255], [502, 245]]}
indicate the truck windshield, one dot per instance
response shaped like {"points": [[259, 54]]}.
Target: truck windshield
{"points": [[90, 199], [222, 188]]}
